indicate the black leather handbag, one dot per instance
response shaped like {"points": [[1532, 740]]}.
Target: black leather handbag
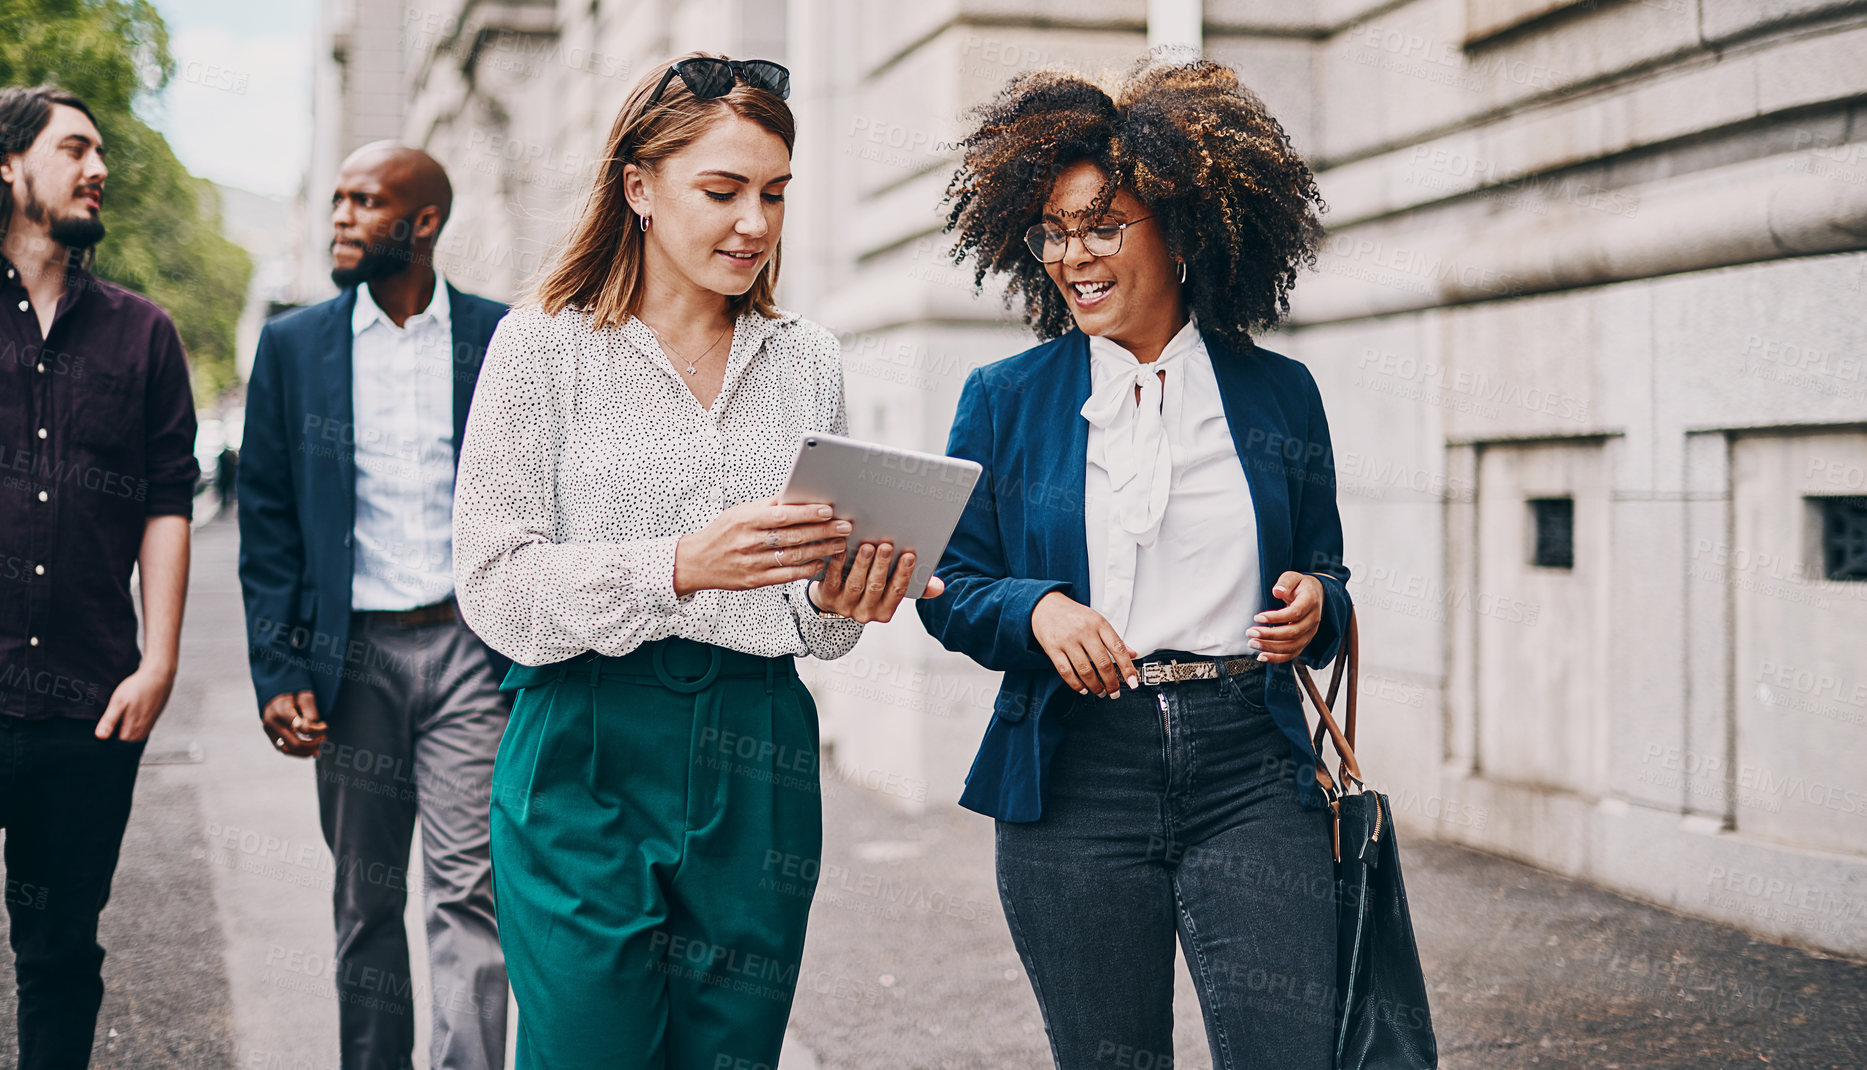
{"points": [[1382, 1020]]}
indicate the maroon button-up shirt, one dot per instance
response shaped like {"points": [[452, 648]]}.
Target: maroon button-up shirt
{"points": [[97, 433]]}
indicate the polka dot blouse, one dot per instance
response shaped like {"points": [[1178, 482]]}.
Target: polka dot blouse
{"points": [[587, 457]]}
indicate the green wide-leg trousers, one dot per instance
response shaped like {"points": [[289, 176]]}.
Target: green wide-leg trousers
{"points": [[656, 835]]}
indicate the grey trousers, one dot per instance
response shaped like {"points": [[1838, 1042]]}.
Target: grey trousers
{"points": [[413, 735]]}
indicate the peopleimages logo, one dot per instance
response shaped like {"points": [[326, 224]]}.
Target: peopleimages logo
{"points": [[16, 677], [1757, 785], [54, 361], [85, 476]]}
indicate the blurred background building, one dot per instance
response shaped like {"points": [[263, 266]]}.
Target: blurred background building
{"points": [[1589, 325]]}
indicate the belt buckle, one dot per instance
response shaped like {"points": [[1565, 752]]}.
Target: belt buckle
{"points": [[1154, 673], [686, 687]]}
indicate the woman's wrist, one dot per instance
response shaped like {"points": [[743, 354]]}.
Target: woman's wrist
{"points": [[682, 579], [1322, 589], [822, 613]]}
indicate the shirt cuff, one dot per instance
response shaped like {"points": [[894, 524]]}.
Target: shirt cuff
{"points": [[653, 574], [827, 638], [169, 499]]}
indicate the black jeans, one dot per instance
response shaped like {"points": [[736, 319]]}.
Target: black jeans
{"points": [[64, 802], [1171, 811]]}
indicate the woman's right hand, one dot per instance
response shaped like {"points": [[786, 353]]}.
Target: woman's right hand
{"points": [[757, 544], [1083, 646]]}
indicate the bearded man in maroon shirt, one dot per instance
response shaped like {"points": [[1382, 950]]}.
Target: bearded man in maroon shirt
{"points": [[97, 474]]}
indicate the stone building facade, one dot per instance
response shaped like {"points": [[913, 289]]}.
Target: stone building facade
{"points": [[1589, 325]]}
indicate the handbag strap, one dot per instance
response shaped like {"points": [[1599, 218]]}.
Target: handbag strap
{"points": [[1347, 768]]}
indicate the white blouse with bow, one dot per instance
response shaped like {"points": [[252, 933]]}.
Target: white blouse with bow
{"points": [[1168, 520]]}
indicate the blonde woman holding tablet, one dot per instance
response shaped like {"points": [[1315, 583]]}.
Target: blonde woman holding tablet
{"points": [[617, 535]]}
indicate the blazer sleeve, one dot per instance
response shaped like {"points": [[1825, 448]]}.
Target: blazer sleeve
{"points": [[530, 597], [1318, 536], [984, 613], [272, 549]]}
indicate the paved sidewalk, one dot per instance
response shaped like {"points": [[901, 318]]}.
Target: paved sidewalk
{"points": [[219, 933], [909, 966]]}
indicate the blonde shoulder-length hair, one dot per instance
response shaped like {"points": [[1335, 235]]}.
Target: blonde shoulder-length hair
{"points": [[601, 269]]}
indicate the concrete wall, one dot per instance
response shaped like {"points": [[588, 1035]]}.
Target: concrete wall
{"points": [[1609, 249], [1566, 255], [1610, 252]]}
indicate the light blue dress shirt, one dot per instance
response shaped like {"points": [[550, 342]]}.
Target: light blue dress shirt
{"points": [[402, 390]]}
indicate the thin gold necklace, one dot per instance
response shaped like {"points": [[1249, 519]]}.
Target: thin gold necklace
{"points": [[690, 363]]}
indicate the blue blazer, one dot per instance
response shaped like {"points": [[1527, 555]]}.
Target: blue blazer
{"points": [[297, 489], [1021, 537]]}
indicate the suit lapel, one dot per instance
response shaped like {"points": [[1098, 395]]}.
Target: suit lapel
{"points": [[1252, 416], [1059, 460]]}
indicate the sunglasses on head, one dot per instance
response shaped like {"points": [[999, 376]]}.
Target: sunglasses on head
{"points": [[706, 78]]}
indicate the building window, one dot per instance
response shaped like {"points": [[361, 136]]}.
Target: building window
{"points": [[1844, 537], [1553, 521]]}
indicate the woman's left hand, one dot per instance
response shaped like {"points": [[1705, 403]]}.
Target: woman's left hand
{"points": [[869, 593], [1281, 634]]}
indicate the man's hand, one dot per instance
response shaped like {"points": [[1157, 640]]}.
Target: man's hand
{"points": [[1083, 646], [136, 703], [291, 722], [1281, 634], [163, 565]]}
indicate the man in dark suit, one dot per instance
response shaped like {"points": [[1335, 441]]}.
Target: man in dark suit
{"points": [[354, 419]]}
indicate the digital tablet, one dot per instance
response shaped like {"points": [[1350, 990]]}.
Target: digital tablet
{"points": [[904, 497]]}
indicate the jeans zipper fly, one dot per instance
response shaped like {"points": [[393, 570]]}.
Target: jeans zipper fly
{"points": [[1166, 741]]}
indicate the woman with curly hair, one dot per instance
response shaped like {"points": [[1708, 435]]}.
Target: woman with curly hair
{"points": [[1155, 531]]}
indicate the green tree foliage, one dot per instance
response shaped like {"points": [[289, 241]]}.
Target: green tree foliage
{"points": [[165, 240]]}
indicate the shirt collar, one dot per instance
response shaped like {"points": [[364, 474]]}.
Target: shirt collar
{"points": [[1186, 338], [368, 312]]}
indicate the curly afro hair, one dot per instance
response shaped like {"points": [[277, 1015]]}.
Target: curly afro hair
{"points": [[1237, 203]]}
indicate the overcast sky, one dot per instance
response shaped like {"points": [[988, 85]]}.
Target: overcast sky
{"points": [[238, 110]]}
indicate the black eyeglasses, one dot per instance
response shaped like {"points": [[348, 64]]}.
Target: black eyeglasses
{"points": [[1048, 242], [707, 77]]}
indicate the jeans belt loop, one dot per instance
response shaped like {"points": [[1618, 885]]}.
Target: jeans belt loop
{"points": [[596, 670]]}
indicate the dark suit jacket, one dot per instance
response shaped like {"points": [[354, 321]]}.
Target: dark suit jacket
{"points": [[1021, 537], [297, 489]]}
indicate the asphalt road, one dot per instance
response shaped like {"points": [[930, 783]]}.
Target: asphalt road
{"points": [[219, 938]]}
